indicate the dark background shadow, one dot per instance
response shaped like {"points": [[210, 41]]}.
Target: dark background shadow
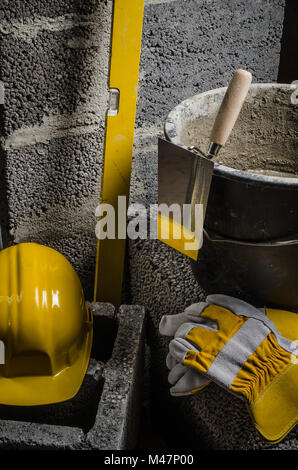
{"points": [[288, 65]]}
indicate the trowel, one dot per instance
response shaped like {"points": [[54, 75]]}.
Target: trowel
{"points": [[185, 175]]}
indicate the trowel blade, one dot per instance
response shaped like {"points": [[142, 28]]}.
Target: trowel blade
{"points": [[184, 179]]}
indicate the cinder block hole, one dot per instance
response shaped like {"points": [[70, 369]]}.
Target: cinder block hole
{"points": [[104, 334], [80, 411]]}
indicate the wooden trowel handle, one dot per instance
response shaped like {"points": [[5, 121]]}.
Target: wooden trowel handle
{"points": [[230, 106]]}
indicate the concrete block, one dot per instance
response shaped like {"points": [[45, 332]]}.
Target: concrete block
{"points": [[56, 78], [118, 416], [62, 174], [104, 414]]}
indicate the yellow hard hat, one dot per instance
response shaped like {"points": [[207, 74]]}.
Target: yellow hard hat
{"points": [[45, 327]]}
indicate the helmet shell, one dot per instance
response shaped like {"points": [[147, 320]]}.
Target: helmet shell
{"points": [[45, 327]]}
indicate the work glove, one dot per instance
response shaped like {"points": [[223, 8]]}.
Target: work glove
{"points": [[239, 347], [184, 380]]}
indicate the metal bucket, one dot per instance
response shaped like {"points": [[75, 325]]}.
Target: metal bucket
{"points": [[262, 273], [250, 244]]}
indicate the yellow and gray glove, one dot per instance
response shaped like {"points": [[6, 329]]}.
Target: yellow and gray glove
{"points": [[239, 347]]}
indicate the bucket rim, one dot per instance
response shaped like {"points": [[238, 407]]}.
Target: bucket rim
{"points": [[223, 171], [216, 238]]}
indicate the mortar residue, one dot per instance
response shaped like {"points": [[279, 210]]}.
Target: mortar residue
{"points": [[264, 139]]}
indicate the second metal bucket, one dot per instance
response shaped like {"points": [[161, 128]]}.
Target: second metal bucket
{"points": [[250, 245]]}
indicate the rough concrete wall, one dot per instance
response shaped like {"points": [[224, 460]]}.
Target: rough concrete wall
{"points": [[54, 64], [190, 47]]}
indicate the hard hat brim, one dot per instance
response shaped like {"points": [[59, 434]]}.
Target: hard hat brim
{"points": [[45, 390]]}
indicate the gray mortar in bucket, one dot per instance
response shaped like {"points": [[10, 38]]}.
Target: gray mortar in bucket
{"points": [[263, 140]]}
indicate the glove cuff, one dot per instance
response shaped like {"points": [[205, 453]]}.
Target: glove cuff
{"points": [[259, 371], [275, 412]]}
